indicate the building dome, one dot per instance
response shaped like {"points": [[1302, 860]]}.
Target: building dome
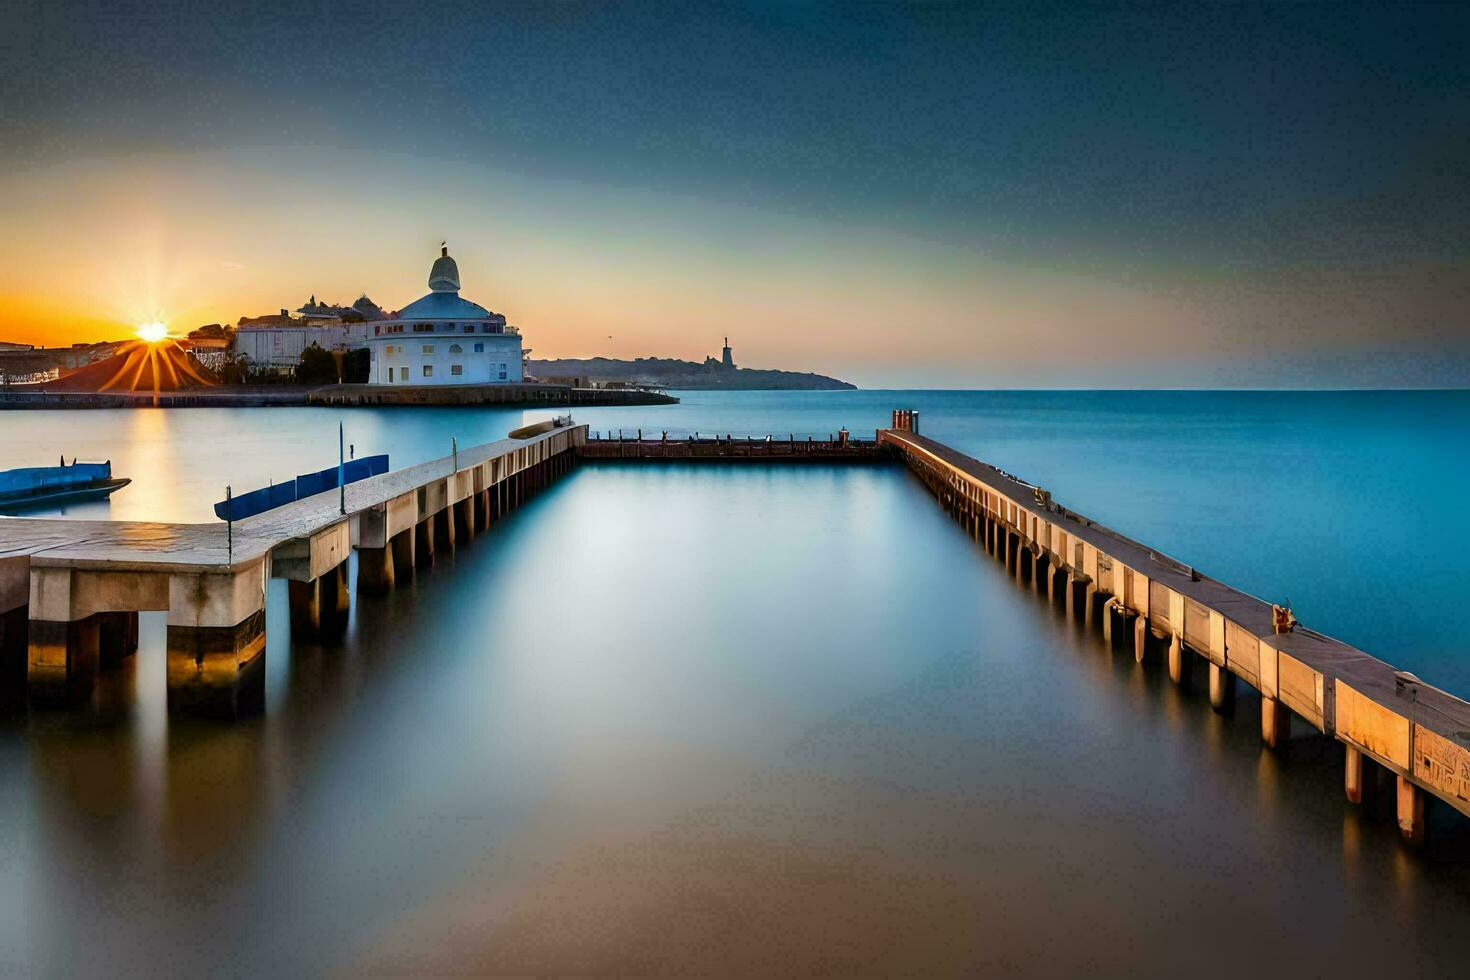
{"points": [[444, 276]]}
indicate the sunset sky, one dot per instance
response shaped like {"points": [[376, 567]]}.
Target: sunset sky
{"points": [[936, 195]]}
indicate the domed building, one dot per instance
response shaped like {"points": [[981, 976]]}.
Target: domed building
{"points": [[444, 339]]}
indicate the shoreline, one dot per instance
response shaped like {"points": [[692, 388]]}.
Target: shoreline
{"points": [[352, 395]]}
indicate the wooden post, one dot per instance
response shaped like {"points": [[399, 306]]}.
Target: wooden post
{"points": [[1410, 811], [1352, 778], [1222, 688], [1176, 658], [1275, 722]]}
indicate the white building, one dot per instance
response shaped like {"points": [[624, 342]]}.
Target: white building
{"points": [[278, 341], [444, 339]]}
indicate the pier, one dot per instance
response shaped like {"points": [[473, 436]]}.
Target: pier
{"points": [[71, 591], [1160, 607], [638, 445]]}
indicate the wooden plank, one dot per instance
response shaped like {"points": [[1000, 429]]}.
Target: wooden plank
{"points": [[1196, 626], [1158, 604], [1301, 689], [1444, 766], [1372, 727], [1245, 660]]}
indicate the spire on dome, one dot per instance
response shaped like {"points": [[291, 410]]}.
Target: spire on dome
{"points": [[444, 276]]}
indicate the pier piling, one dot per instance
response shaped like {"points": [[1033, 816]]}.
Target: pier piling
{"points": [[1410, 811], [1352, 778], [1178, 664], [1222, 689], [1275, 722]]}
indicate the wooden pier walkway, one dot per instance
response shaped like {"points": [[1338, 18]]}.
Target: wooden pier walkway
{"points": [[1418, 732]]}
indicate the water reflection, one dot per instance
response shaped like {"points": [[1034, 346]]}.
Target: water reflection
{"points": [[681, 720]]}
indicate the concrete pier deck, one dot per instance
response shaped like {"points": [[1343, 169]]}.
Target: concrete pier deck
{"points": [[1418, 732], [70, 591]]}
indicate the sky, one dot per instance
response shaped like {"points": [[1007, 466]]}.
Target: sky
{"points": [[935, 195]]}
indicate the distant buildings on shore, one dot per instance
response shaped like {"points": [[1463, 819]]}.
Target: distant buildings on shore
{"points": [[440, 339], [29, 364], [726, 361]]}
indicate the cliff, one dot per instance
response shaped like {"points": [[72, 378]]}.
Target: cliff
{"points": [[667, 372]]}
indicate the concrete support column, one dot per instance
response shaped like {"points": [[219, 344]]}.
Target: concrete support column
{"points": [[375, 570], [424, 543], [306, 608], [319, 607], [403, 548], [1352, 776], [1275, 722], [1410, 811], [216, 642], [1178, 664], [464, 518], [1140, 643], [336, 600], [1090, 600], [217, 671], [1110, 611], [13, 641], [61, 660], [117, 637], [1222, 689], [444, 529], [482, 511]]}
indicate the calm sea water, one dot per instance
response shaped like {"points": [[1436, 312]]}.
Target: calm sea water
{"points": [[682, 719]]}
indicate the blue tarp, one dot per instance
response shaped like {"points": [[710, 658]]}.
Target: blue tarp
{"points": [[306, 485], [49, 478]]}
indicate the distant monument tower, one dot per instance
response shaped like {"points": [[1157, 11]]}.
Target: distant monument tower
{"points": [[727, 359]]}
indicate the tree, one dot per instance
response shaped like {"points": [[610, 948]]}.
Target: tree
{"points": [[317, 367], [357, 365]]}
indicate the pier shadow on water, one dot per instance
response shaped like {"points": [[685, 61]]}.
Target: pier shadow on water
{"points": [[689, 720]]}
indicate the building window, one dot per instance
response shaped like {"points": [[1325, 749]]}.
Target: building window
{"points": [[469, 328], [456, 369], [456, 349], [502, 375], [480, 348], [403, 374], [428, 348], [428, 370]]}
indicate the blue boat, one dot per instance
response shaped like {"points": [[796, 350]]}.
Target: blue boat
{"points": [[306, 485], [46, 486]]}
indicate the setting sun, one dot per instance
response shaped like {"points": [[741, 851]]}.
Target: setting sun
{"points": [[152, 332]]}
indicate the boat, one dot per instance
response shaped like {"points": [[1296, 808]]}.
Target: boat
{"points": [[46, 486], [239, 507]]}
